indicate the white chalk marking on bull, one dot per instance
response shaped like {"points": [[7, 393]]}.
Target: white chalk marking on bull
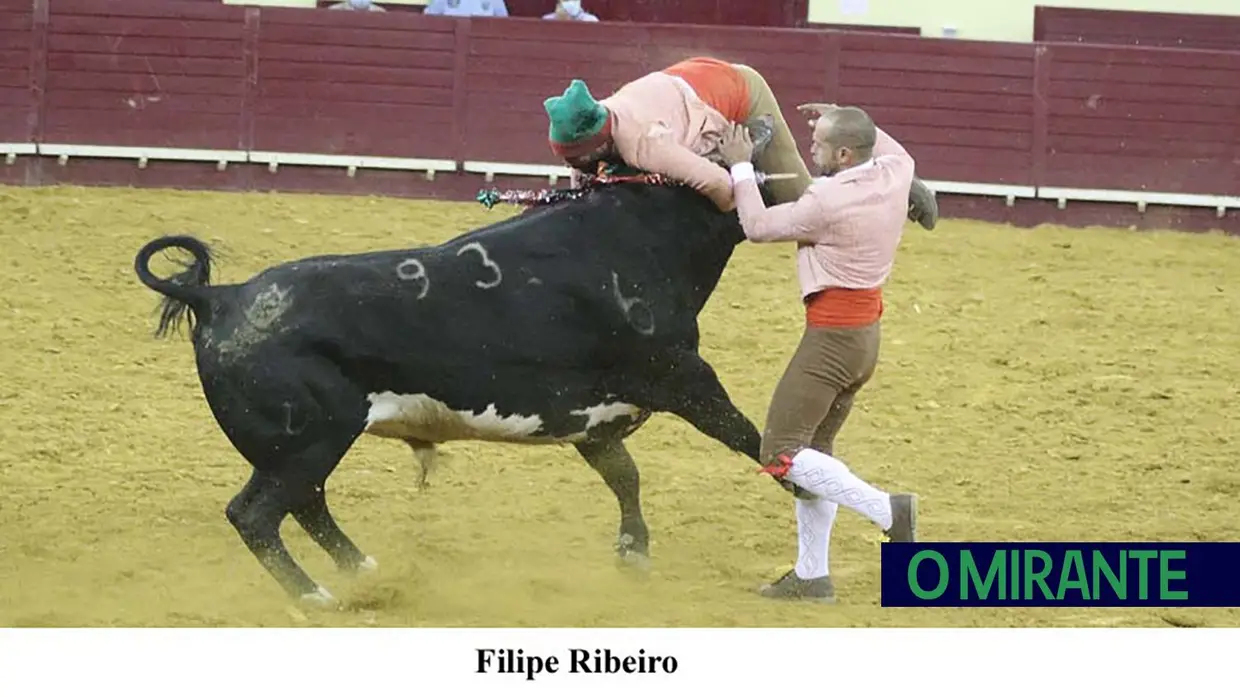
{"points": [[289, 427], [260, 321], [412, 270], [486, 261], [627, 305]]}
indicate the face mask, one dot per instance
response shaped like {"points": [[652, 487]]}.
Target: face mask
{"points": [[572, 7]]}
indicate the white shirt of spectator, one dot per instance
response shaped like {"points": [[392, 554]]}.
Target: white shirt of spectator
{"points": [[360, 5], [467, 8], [573, 9]]}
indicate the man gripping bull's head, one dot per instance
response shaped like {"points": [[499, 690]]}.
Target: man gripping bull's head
{"points": [[671, 122]]}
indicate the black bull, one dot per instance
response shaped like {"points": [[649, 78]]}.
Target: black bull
{"points": [[570, 323]]}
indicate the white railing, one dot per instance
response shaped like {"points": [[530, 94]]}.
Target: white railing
{"points": [[64, 153]]}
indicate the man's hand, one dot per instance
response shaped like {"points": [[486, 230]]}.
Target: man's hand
{"points": [[812, 112], [736, 146]]}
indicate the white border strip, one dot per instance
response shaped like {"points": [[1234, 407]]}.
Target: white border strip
{"points": [[63, 152], [12, 150], [1010, 192], [352, 163], [1141, 198], [490, 169], [19, 148]]}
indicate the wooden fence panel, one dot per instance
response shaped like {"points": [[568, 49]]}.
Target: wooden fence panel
{"points": [[767, 13], [17, 102], [963, 109], [1143, 119], [160, 73], [378, 84], [1132, 28]]}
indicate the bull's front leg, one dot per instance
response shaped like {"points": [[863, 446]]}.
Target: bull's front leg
{"points": [[691, 390], [613, 462]]}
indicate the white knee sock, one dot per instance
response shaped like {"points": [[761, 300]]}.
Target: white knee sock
{"points": [[828, 478], [814, 520]]}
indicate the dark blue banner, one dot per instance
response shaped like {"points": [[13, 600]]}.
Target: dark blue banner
{"points": [[1061, 574]]}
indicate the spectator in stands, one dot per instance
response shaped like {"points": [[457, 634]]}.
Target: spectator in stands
{"points": [[357, 5], [467, 8], [570, 10]]}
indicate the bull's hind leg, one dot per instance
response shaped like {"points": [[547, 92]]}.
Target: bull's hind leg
{"points": [[612, 460], [256, 513], [293, 421], [294, 484], [316, 519]]}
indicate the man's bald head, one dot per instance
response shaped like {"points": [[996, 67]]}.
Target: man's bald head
{"points": [[849, 127], [844, 137]]}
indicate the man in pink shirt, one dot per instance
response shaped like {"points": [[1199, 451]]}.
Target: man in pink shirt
{"points": [[847, 226]]}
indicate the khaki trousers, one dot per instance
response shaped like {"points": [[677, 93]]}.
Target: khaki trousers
{"points": [[781, 155], [815, 394]]}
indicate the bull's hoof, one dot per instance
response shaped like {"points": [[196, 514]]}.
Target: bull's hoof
{"points": [[629, 557], [634, 562], [320, 599]]}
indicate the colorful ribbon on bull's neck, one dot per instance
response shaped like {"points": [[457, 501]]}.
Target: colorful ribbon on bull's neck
{"points": [[606, 175]]}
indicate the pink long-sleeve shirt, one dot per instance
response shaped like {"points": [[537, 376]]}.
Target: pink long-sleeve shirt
{"points": [[848, 226]]}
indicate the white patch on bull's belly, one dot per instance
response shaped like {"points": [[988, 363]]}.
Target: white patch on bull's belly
{"points": [[420, 417], [605, 412]]}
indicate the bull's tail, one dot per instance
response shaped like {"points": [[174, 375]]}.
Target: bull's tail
{"points": [[187, 290]]}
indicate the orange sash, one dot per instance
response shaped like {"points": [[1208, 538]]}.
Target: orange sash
{"points": [[844, 307]]}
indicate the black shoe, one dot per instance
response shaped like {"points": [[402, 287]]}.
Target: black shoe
{"points": [[761, 132], [923, 206], [903, 518], [792, 587]]}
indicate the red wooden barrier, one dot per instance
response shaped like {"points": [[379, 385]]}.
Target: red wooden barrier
{"points": [[133, 73], [18, 110], [765, 13], [1157, 120], [377, 84], [964, 109], [1121, 27], [190, 74]]}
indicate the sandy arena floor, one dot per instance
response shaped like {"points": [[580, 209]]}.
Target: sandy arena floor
{"points": [[1035, 385]]}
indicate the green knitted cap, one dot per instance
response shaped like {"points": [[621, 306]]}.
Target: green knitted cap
{"points": [[575, 115]]}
